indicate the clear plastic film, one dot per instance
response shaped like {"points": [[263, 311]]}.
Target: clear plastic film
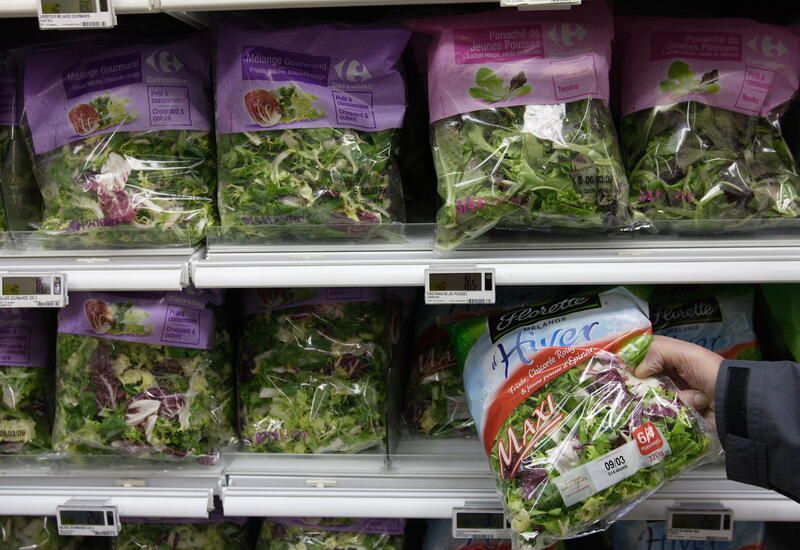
{"points": [[314, 369], [439, 536], [574, 439], [701, 102], [25, 379], [308, 124], [528, 167], [40, 533], [218, 535], [117, 395], [128, 154], [327, 533]]}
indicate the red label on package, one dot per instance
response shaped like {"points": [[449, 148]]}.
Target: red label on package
{"points": [[648, 438]]}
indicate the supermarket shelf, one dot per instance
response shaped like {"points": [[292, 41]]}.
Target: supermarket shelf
{"points": [[27, 8], [545, 261]]}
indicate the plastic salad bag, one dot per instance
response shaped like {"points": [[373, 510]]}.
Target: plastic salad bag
{"points": [[521, 131], [181, 535], [28, 533], [120, 135], [438, 536], [719, 318], [307, 124], [330, 533], [651, 535], [144, 374], [701, 101], [25, 364], [573, 437], [22, 204], [314, 369]]}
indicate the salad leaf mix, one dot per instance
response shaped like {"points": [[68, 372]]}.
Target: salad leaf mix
{"points": [[573, 437], [318, 536], [24, 425], [181, 536], [28, 533], [313, 372]]}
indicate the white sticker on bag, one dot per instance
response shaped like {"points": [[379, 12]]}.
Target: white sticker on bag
{"points": [[647, 448]]}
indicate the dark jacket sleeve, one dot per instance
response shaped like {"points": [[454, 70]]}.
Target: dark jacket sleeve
{"points": [[758, 420]]}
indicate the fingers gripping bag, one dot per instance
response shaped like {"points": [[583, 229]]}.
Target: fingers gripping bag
{"points": [[314, 368], [25, 364], [144, 374], [701, 100], [573, 438], [521, 131], [307, 124], [719, 318], [120, 136], [331, 533]]}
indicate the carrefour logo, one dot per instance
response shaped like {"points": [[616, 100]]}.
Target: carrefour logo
{"points": [[567, 34], [767, 45], [352, 70], [164, 61]]}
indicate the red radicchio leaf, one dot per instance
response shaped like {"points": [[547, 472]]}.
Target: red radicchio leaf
{"points": [[84, 119], [171, 404], [533, 482], [116, 205], [263, 107], [99, 315], [107, 387]]}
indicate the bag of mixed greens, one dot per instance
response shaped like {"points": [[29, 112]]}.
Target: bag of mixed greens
{"points": [[24, 376], [314, 368], [22, 204], [701, 101], [521, 132], [327, 533], [145, 374], [719, 318], [181, 535], [307, 123], [651, 535], [439, 536], [573, 437], [27, 533], [120, 135]]}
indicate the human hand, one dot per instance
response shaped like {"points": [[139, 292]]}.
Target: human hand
{"points": [[693, 368]]}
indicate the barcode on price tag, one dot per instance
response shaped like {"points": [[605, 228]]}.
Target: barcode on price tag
{"points": [[33, 290], [76, 14], [540, 4]]}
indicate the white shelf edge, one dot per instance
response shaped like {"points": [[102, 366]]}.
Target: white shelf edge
{"points": [[27, 8], [131, 502]]}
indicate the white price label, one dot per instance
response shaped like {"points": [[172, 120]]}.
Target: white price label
{"points": [[33, 290], [540, 4], [480, 523], [459, 286], [647, 448], [76, 14], [87, 518], [700, 521]]}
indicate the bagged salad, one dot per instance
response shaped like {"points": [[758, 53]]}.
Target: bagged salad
{"points": [[719, 318], [574, 439], [143, 373], [22, 204], [181, 535], [521, 131], [25, 363], [439, 536], [307, 124], [329, 533], [314, 368], [701, 100], [121, 142], [651, 535]]}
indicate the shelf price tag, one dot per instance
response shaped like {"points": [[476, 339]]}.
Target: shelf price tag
{"points": [[709, 521], [540, 4], [76, 14], [33, 290], [480, 522], [87, 518], [456, 285]]}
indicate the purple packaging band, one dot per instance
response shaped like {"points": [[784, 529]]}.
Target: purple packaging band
{"points": [[259, 300], [347, 77], [117, 88], [369, 526], [735, 64], [163, 319], [542, 58], [23, 334]]}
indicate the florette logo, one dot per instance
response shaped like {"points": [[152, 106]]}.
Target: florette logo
{"points": [[352, 70], [767, 45], [511, 452], [567, 34], [684, 314], [500, 325], [164, 61]]}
